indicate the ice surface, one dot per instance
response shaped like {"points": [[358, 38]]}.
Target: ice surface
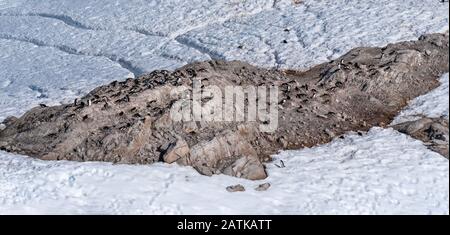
{"points": [[52, 51]]}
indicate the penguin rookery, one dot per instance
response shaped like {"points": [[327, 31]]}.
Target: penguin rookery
{"points": [[129, 122]]}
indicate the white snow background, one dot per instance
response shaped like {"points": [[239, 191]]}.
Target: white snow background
{"points": [[52, 51]]}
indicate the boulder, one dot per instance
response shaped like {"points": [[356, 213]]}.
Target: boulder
{"points": [[263, 187], [235, 188]]}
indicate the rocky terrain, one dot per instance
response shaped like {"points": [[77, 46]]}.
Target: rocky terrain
{"points": [[129, 122], [432, 131]]}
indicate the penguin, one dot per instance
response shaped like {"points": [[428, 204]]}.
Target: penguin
{"points": [[281, 164]]}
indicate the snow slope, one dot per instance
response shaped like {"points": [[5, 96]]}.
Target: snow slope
{"points": [[31, 74], [270, 33], [383, 172], [434, 104], [52, 51]]}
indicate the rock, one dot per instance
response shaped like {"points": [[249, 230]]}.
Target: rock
{"points": [[248, 168], [434, 132], [2, 127], [224, 154], [175, 151], [143, 120], [190, 127], [263, 187], [330, 133], [235, 188], [9, 120], [283, 142]]}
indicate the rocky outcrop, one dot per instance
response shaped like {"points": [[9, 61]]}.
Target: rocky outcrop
{"points": [[130, 122], [432, 131]]}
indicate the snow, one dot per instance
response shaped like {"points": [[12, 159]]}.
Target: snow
{"points": [[143, 35], [383, 172], [252, 30], [434, 104], [38, 77], [53, 51], [317, 31]]}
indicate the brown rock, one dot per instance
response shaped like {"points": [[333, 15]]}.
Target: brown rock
{"points": [[247, 167], [175, 151], [235, 188]]}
